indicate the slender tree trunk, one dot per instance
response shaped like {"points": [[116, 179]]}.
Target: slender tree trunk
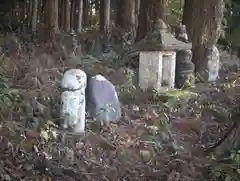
{"points": [[160, 7], [105, 10], [53, 18], [23, 15], [137, 8], [67, 18], [114, 10], [80, 15], [34, 14], [143, 20], [101, 14], [46, 13], [60, 12], [126, 16], [29, 13], [207, 18], [105, 15], [187, 17], [85, 13], [73, 12], [41, 13], [75, 21]]}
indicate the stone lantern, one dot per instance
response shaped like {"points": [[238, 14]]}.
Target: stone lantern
{"points": [[157, 61]]}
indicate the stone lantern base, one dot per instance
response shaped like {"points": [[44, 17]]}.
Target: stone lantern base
{"points": [[157, 69]]}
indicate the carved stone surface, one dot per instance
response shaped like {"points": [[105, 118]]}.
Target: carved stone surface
{"points": [[184, 65], [213, 57], [169, 66], [74, 79], [73, 110], [181, 33], [102, 102], [150, 70], [184, 68], [73, 100]]}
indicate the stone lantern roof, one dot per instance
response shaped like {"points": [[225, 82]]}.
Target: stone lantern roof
{"points": [[161, 40]]}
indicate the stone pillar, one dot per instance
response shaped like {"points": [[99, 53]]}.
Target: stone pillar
{"points": [[150, 70], [73, 100]]}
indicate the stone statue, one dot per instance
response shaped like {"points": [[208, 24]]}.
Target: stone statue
{"points": [[184, 76], [73, 100]]}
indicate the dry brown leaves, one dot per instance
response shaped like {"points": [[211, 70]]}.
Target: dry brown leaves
{"points": [[118, 152]]}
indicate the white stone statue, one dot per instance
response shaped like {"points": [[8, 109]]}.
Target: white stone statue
{"points": [[73, 100]]}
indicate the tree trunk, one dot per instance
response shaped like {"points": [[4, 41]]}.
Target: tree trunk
{"points": [[67, 18], [187, 17], [73, 13], [207, 18], [137, 8], [80, 15], [149, 12], [85, 13], [53, 18], [41, 13], [46, 13], [23, 14], [62, 14], [29, 13], [107, 13], [105, 9], [101, 15], [126, 14], [160, 7], [142, 20], [34, 14]]}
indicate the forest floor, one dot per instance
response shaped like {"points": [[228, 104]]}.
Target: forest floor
{"points": [[162, 137]]}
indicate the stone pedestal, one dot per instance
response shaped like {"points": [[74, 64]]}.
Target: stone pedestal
{"points": [[156, 69]]}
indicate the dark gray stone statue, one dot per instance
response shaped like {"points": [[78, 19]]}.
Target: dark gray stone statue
{"points": [[184, 65]]}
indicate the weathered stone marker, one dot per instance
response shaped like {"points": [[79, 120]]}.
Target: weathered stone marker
{"points": [[73, 100], [184, 65], [213, 60], [103, 103], [157, 62]]}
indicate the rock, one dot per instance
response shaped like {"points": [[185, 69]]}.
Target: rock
{"points": [[73, 100], [102, 100]]}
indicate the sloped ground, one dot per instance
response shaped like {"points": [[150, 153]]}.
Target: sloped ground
{"points": [[159, 138]]}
